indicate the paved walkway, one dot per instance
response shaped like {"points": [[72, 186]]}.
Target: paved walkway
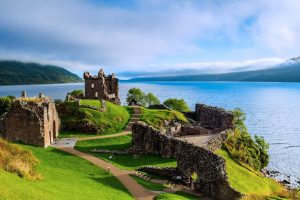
{"points": [[133, 187]]}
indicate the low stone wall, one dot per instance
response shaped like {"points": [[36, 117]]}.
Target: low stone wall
{"points": [[168, 172], [209, 167], [214, 118]]}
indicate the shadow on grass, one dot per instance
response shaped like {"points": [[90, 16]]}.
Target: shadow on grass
{"points": [[110, 181]]}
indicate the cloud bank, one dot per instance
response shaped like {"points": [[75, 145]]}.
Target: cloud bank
{"points": [[150, 35]]}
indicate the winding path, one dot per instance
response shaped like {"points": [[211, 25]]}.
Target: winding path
{"points": [[138, 191]]}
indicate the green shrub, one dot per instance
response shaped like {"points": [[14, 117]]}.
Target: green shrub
{"points": [[252, 154], [5, 103], [177, 104], [138, 96]]}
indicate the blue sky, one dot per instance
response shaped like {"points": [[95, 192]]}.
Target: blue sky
{"points": [[210, 36]]}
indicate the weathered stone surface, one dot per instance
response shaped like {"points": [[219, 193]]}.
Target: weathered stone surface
{"points": [[168, 172], [31, 121], [102, 87], [210, 168], [214, 118]]}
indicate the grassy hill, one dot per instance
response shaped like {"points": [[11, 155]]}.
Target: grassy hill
{"points": [[64, 177], [285, 73], [17, 73], [90, 121]]}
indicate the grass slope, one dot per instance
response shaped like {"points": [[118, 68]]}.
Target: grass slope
{"points": [[64, 177], [248, 182], [123, 161], [176, 196], [113, 120], [90, 102], [156, 117], [16, 73]]}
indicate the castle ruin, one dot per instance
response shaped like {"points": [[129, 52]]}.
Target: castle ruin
{"points": [[31, 121], [102, 87]]}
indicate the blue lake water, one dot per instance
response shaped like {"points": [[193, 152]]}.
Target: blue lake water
{"points": [[273, 109]]}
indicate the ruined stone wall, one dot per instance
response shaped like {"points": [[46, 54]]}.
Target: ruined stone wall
{"points": [[193, 130], [216, 119], [210, 168], [35, 123]]}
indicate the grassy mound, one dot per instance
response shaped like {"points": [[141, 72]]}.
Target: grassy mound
{"points": [[90, 102], [250, 183], [123, 161], [64, 177], [85, 120], [156, 117], [176, 196], [17, 160]]}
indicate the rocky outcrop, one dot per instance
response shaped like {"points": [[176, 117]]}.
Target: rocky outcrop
{"points": [[209, 167]]}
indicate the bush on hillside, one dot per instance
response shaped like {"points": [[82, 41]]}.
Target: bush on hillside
{"points": [[5, 103], [16, 160], [252, 154], [177, 104], [75, 94], [138, 96]]}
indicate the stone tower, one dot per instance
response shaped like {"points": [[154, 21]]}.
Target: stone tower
{"points": [[102, 87]]}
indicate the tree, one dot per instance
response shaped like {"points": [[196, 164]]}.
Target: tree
{"points": [[177, 104], [136, 94], [151, 99]]}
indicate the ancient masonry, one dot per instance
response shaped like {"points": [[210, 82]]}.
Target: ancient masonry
{"points": [[31, 121], [193, 152], [102, 87]]}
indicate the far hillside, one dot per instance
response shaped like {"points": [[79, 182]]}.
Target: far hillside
{"points": [[19, 73], [282, 73]]}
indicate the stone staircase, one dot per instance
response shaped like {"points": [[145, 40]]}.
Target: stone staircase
{"points": [[135, 117], [142, 176]]}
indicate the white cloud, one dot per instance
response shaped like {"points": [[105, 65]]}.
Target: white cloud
{"points": [[84, 35]]}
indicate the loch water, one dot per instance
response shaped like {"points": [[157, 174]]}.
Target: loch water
{"points": [[273, 109]]}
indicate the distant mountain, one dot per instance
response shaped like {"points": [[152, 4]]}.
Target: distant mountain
{"points": [[287, 72], [17, 73]]}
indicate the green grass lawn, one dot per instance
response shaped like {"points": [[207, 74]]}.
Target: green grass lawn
{"points": [[64, 177], [248, 182], [130, 162], [148, 185], [70, 134], [176, 196], [90, 102], [156, 117]]}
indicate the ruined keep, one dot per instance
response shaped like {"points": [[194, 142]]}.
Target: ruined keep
{"points": [[193, 147], [31, 121], [102, 87]]}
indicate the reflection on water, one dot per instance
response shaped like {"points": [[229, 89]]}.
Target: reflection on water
{"points": [[272, 108]]}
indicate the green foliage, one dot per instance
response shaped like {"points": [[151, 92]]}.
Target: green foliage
{"points": [[250, 183], [136, 94], [176, 196], [157, 117], [148, 185], [250, 153], [5, 103], [16, 73], [177, 104], [151, 99], [130, 162], [16, 160], [86, 120], [64, 177]]}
